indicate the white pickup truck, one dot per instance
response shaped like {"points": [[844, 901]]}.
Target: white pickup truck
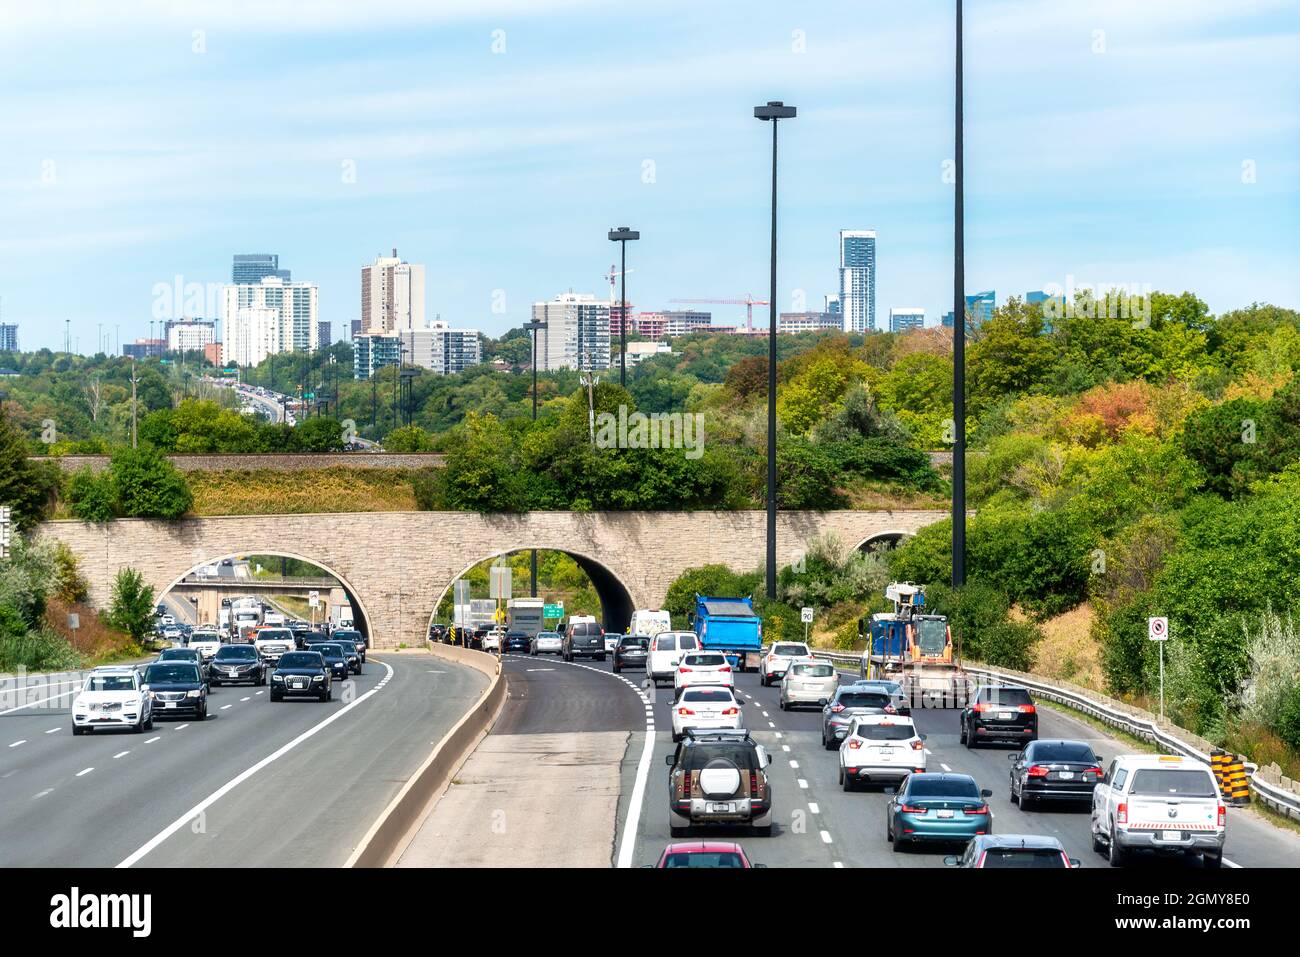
{"points": [[1165, 803], [271, 643]]}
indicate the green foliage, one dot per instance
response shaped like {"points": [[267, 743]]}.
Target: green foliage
{"points": [[409, 438], [91, 497], [132, 605], [1242, 440], [717, 580], [147, 485], [25, 486]]}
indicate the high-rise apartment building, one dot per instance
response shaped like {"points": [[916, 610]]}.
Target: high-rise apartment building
{"points": [[905, 318], [576, 335], [254, 267], [354, 328], [392, 295], [858, 279], [832, 305], [189, 335], [979, 310], [439, 348], [792, 323], [269, 317], [324, 333], [8, 337]]}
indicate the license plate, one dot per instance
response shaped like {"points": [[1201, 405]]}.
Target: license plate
{"points": [[1004, 715], [1065, 775], [945, 814], [885, 754], [1171, 835], [721, 808], [169, 704]]}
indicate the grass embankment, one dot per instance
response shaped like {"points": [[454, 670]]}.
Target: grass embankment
{"points": [[268, 492]]}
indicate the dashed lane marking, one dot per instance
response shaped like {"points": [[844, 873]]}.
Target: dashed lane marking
{"points": [[41, 794], [16, 743], [826, 837], [157, 737], [54, 731], [225, 706], [803, 784], [814, 807], [85, 771]]}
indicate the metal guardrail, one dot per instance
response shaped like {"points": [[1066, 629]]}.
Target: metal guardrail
{"points": [[1278, 798]]}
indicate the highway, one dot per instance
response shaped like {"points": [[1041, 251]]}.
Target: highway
{"points": [[600, 721], [256, 785]]}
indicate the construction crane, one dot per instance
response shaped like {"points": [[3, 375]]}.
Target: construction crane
{"points": [[749, 302], [613, 293]]}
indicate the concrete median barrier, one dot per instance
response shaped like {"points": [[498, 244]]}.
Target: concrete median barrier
{"points": [[388, 837]]}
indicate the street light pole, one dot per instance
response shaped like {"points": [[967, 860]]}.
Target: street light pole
{"points": [[621, 236], [958, 343], [533, 328], [774, 112]]}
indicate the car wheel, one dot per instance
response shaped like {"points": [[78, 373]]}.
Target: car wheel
{"points": [[846, 781], [1213, 861], [148, 725], [138, 727], [828, 744], [202, 715], [600, 657], [1115, 854], [1011, 793], [77, 732], [970, 739], [764, 830]]}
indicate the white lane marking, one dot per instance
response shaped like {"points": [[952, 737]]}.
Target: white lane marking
{"points": [[766, 715], [795, 765], [42, 793], [20, 741], [837, 864], [803, 784], [780, 735], [121, 754], [944, 766], [529, 670], [182, 727], [785, 747], [813, 807], [54, 697], [245, 699], [243, 776], [225, 706], [54, 731], [771, 724], [1231, 863], [826, 837], [927, 751], [156, 737], [257, 692], [86, 771]]}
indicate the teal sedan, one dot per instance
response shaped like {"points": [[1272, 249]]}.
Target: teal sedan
{"points": [[938, 808]]}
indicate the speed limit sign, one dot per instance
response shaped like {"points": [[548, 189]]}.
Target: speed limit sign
{"points": [[1158, 629]]}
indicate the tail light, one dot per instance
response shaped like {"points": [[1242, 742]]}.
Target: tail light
{"points": [[1027, 709], [1223, 816], [854, 744], [918, 746], [1037, 771], [1096, 771], [1121, 814], [753, 784], [836, 709], [683, 670], [979, 708], [685, 711], [731, 711], [982, 809], [1066, 858], [725, 668], [911, 809]]}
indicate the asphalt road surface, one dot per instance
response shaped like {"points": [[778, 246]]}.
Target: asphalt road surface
{"points": [[294, 783]]}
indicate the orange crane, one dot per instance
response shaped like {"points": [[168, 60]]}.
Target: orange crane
{"points": [[749, 302]]}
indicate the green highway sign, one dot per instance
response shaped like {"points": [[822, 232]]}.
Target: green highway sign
{"points": [[553, 611]]}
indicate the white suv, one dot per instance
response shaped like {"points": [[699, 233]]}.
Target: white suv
{"points": [[705, 708], [666, 650], [271, 643], [778, 658], [703, 668], [1164, 802], [112, 698], [879, 748]]}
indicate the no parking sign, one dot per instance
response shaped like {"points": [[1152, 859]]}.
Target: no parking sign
{"points": [[1158, 629]]}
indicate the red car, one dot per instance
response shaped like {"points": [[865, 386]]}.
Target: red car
{"points": [[704, 854]]}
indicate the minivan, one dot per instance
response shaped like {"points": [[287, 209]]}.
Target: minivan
{"points": [[666, 650], [583, 639]]}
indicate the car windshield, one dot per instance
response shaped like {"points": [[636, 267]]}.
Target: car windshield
{"points": [[1171, 781], [548, 634], [172, 673], [886, 732], [707, 694], [635, 642], [921, 786], [1005, 697], [863, 699], [704, 661], [1061, 751], [109, 683], [813, 671], [705, 859], [237, 653], [177, 654], [301, 659], [275, 634], [698, 757], [347, 633], [789, 651], [329, 649], [1023, 857], [348, 647]]}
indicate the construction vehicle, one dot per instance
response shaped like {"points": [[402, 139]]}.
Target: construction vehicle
{"points": [[913, 648]]}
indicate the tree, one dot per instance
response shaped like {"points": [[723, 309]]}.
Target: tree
{"points": [[132, 605], [409, 438], [147, 485], [90, 496], [25, 486]]}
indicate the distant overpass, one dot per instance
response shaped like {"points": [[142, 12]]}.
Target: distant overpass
{"points": [[205, 593]]}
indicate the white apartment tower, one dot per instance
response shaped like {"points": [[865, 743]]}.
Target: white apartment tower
{"points": [[576, 335], [858, 279], [261, 319], [392, 296]]}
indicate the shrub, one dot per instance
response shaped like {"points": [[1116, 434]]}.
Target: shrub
{"points": [[90, 496], [147, 485], [132, 605]]}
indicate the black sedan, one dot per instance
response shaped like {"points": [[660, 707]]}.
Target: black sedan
{"points": [[310, 637], [999, 714], [192, 655], [236, 664], [354, 636], [631, 652], [352, 655], [517, 642], [177, 689], [1054, 771], [302, 674], [335, 658]]}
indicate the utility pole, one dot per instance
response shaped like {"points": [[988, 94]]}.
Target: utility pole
{"points": [[958, 343], [135, 441]]}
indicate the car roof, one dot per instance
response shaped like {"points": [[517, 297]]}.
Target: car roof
{"points": [[114, 669], [1143, 761], [1034, 841], [704, 847], [883, 719], [937, 775], [718, 735]]}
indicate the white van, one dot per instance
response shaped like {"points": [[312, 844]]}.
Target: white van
{"points": [[650, 622], [666, 650]]}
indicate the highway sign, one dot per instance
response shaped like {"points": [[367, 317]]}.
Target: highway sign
{"points": [[313, 599], [1158, 629], [806, 615], [553, 611], [499, 583]]}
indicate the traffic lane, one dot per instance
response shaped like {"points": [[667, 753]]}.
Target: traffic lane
{"points": [[93, 800], [312, 806], [547, 695]]}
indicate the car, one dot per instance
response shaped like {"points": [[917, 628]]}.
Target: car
{"points": [[703, 668], [173, 634], [1013, 850], [849, 702], [192, 655], [169, 619], [351, 654], [235, 664], [271, 643], [706, 706], [631, 652], [1164, 803], [204, 631], [354, 636], [773, 665], [207, 644], [719, 777], [309, 637], [892, 688], [704, 854], [937, 807], [881, 749], [112, 697], [999, 713], [177, 689], [302, 674], [491, 642], [666, 652], [547, 643], [519, 642], [335, 658], [807, 682], [1053, 770], [583, 639]]}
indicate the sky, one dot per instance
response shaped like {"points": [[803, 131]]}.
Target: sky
{"points": [[496, 141]]}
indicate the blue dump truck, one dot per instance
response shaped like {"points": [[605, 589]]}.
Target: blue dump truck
{"points": [[729, 625]]}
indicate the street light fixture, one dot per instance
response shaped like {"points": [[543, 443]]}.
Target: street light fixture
{"points": [[773, 111], [621, 236]]}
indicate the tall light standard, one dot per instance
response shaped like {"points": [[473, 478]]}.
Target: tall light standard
{"points": [[958, 347], [774, 111], [533, 327], [621, 236]]}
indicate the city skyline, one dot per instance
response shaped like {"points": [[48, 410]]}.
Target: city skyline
{"points": [[501, 171]]}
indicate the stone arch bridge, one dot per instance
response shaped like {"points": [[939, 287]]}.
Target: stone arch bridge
{"points": [[396, 566]]}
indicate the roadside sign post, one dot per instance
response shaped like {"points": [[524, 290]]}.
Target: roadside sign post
{"points": [[1158, 631], [313, 599], [806, 615], [6, 525]]}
